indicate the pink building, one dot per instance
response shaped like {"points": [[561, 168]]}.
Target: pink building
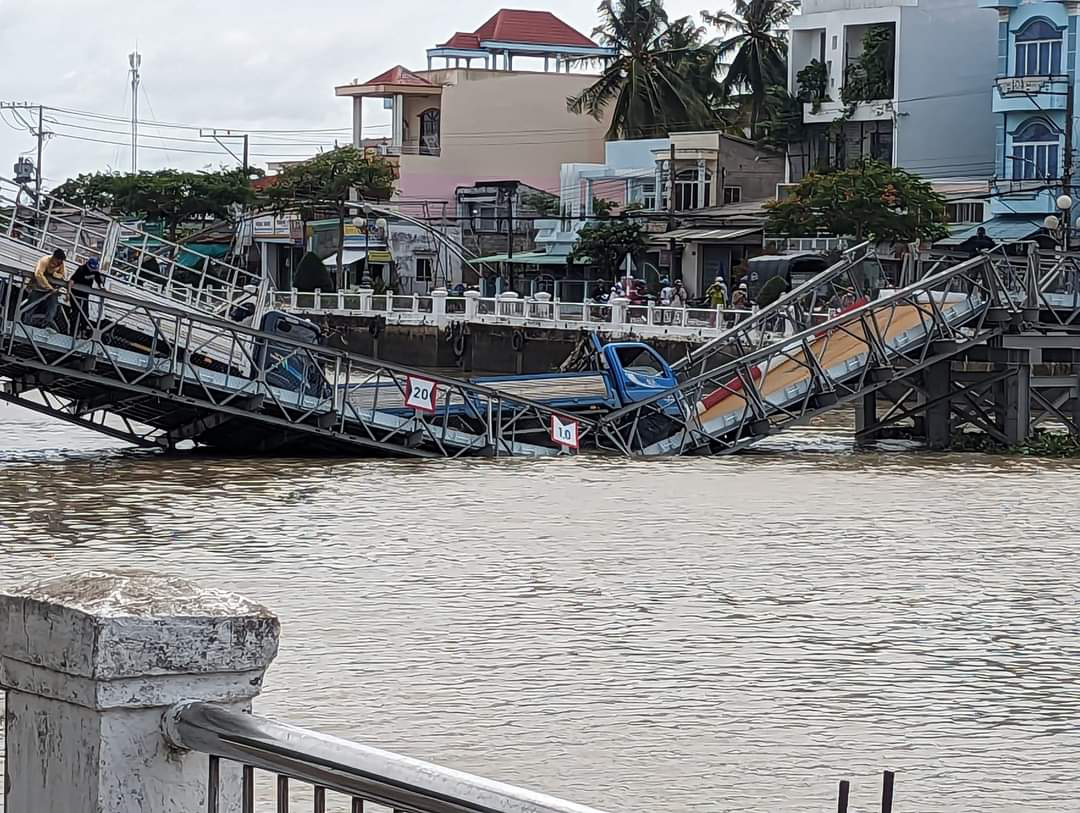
{"points": [[478, 118]]}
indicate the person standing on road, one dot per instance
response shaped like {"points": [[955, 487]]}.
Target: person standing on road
{"points": [[87, 275], [44, 289]]}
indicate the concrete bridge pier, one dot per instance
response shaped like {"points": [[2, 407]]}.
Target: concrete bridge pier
{"points": [[91, 662], [937, 389]]}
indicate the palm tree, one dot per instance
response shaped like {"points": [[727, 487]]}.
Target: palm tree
{"points": [[662, 77], [757, 49]]}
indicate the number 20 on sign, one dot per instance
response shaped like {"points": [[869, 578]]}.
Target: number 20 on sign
{"points": [[565, 433], [420, 394]]}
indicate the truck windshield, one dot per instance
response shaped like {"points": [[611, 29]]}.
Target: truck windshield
{"points": [[639, 360]]}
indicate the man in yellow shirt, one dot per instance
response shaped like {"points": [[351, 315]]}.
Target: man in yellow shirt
{"points": [[45, 286]]}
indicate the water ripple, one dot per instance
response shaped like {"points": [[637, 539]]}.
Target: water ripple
{"points": [[713, 635]]}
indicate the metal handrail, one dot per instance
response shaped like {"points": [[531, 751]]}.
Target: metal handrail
{"points": [[330, 763], [84, 233], [327, 354]]}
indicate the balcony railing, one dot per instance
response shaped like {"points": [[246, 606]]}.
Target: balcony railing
{"points": [[412, 146], [1028, 85]]}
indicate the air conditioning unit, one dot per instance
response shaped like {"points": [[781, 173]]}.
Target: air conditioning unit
{"points": [[784, 190]]}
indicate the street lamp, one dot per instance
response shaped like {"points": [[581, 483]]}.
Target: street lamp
{"points": [[1059, 224]]}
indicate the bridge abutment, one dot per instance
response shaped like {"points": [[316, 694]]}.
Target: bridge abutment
{"points": [[91, 662]]}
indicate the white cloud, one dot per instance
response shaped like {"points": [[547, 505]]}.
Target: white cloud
{"points": [[242, 64]]}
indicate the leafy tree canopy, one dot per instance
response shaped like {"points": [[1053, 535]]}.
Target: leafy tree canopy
{"points": [[311, 275], [167, 195], [607, 243], [663, 75], [328, 178], [754, 50], [872, 200]]}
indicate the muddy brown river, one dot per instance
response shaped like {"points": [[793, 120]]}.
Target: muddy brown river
{"points": [[733, 634]]}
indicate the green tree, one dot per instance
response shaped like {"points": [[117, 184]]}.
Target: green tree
{"points": [[873, 201], [662, 77], [168, 196], [542, 203], [602, 206], [755, 46], [311, 275], [328, 181], [607, 243]]}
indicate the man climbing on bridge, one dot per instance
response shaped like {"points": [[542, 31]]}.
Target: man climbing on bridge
{"points": [[44, 289], [85, 275]]}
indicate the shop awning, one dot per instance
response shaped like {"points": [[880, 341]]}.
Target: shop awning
{"points": [[1003, 229], [705, 235], [348, 257], [525, 258], [379, 256]]}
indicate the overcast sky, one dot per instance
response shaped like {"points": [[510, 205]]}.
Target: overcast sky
{"points": [[268, 65]]}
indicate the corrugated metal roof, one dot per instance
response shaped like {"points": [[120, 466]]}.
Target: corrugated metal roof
{"points": [[705, 235], [1004, 229]]}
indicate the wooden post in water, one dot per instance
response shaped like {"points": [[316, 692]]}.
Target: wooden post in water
{"points": [[887, 791], [842, 799]]}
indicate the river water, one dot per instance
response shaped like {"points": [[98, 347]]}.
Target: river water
{"points": [[731, 634]]}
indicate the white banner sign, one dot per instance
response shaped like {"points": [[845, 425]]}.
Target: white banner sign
{"points": [[420, 393], [565, 433]]}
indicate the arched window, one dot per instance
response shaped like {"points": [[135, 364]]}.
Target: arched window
{"points": [[1035, 151], [687, 191], [1038, 49], [430, 131]]}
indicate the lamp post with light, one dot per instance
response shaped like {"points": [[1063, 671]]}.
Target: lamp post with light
{"points": [[1059, 225]]}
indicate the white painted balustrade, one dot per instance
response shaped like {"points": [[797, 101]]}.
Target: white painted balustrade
{"points": [[616, 318]]}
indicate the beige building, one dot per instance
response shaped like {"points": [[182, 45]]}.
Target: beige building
{"points": [[462, 123]]}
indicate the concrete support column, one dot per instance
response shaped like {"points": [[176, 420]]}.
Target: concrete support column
{"points": [[588, 197], [91, 662], [701, 183], [438, 306], [357, 121], [618, 310], [365, 295], [866, 417], [938, 381], [472, 305], [1015, 404], [399, 120]]}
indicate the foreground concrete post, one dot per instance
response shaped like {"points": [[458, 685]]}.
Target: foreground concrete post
{"points": [[472, 305], [438, 306], [91, 662]]}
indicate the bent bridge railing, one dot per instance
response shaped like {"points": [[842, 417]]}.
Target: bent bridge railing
{"points": [[357, 773]]}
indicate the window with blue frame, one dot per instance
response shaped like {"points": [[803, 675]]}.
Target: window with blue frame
{"points": [[1038, 49], [1036, 147]]}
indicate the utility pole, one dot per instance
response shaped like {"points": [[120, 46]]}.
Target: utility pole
{"points": [[1067, 168], [37, 166], [671, 209], [135, 61], [40, 135], [218, 135]]}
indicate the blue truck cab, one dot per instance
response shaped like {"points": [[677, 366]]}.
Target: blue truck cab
{"points": [[621, 373], [636, 370]]}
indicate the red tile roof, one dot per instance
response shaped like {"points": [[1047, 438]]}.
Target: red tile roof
{"points": [[398, 75], [525, 27], [461, 40]]}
